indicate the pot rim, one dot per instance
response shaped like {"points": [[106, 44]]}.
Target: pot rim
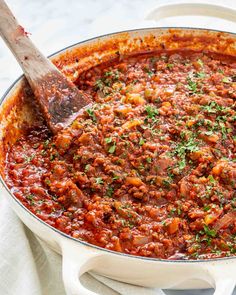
{"points": [[4, 97]]}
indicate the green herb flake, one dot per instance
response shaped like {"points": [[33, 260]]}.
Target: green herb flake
{"points": [[36, 145], [47, 181], [149, 72], [200, 62], [109, 191], [52, 157], [29, 159], [76, 157], [152, 112], [86, 168], [213, 107], [141, 141], [30, 198], [108, 139], [112, 148], [115, 177], [46, 143], [170, 66], [226, 80], [206, 208], [91, 114], [99, 84], [99, 180], [182, 164], [209, 232], [149, 160], [192, 86], [200, 75], [211, 179], [166, 183]]}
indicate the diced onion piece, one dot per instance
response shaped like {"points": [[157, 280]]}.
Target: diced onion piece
{"points": [[139, 240], [124, 110], [225, 221]]}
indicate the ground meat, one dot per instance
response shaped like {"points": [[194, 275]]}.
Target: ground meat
{"points": [[149, 169]]}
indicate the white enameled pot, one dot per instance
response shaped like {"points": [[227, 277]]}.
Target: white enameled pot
{"points": [[78, 256]]}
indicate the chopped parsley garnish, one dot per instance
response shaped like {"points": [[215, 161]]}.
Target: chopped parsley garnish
{"points": [[76, 157], [141, 141], [110, 191], [206, 208], [182, 164], [166, 183], [91, 115], [47, 181], [209, 232], [149, 160], [212, 179], [200, 75], [169, 66], [46, 143], [191, 145], [115, 177], [99, 180], [200, 62], [52, 157], [108, 139], [112, 148], [152, 112], [107, 80], [149, 72], [99, 84], [30, 198], [213, 107], [29, 159], [226, 80], [86, 168], [192, 86]]}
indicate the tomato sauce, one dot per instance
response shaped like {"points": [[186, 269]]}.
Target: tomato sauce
{"points": [[150, 168]]}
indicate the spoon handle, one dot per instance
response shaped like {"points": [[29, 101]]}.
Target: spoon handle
{"points": [[31, 60], [58, 97]]}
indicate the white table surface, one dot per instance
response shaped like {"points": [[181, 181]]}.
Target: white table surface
{"points": [[55, 24]]}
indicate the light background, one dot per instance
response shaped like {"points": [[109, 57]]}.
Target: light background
{"points": [[55, 24]]}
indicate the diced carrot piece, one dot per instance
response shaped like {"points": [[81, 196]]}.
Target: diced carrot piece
{"points": [[209, 219], [130, 124], [174, 225], [135, 98], [190, 123], [166, 104], [133, 181]]}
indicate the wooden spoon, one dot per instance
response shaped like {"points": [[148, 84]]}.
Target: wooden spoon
{"points": [[59, 98]]}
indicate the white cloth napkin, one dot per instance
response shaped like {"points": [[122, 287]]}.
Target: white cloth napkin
{"points": [[29, 267]]}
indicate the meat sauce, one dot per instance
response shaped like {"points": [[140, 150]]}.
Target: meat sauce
{"points": [[150, 168]]}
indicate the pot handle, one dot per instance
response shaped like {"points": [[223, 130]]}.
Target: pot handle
{"points": [[193, 8], [222, 278], [76, 262]]}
